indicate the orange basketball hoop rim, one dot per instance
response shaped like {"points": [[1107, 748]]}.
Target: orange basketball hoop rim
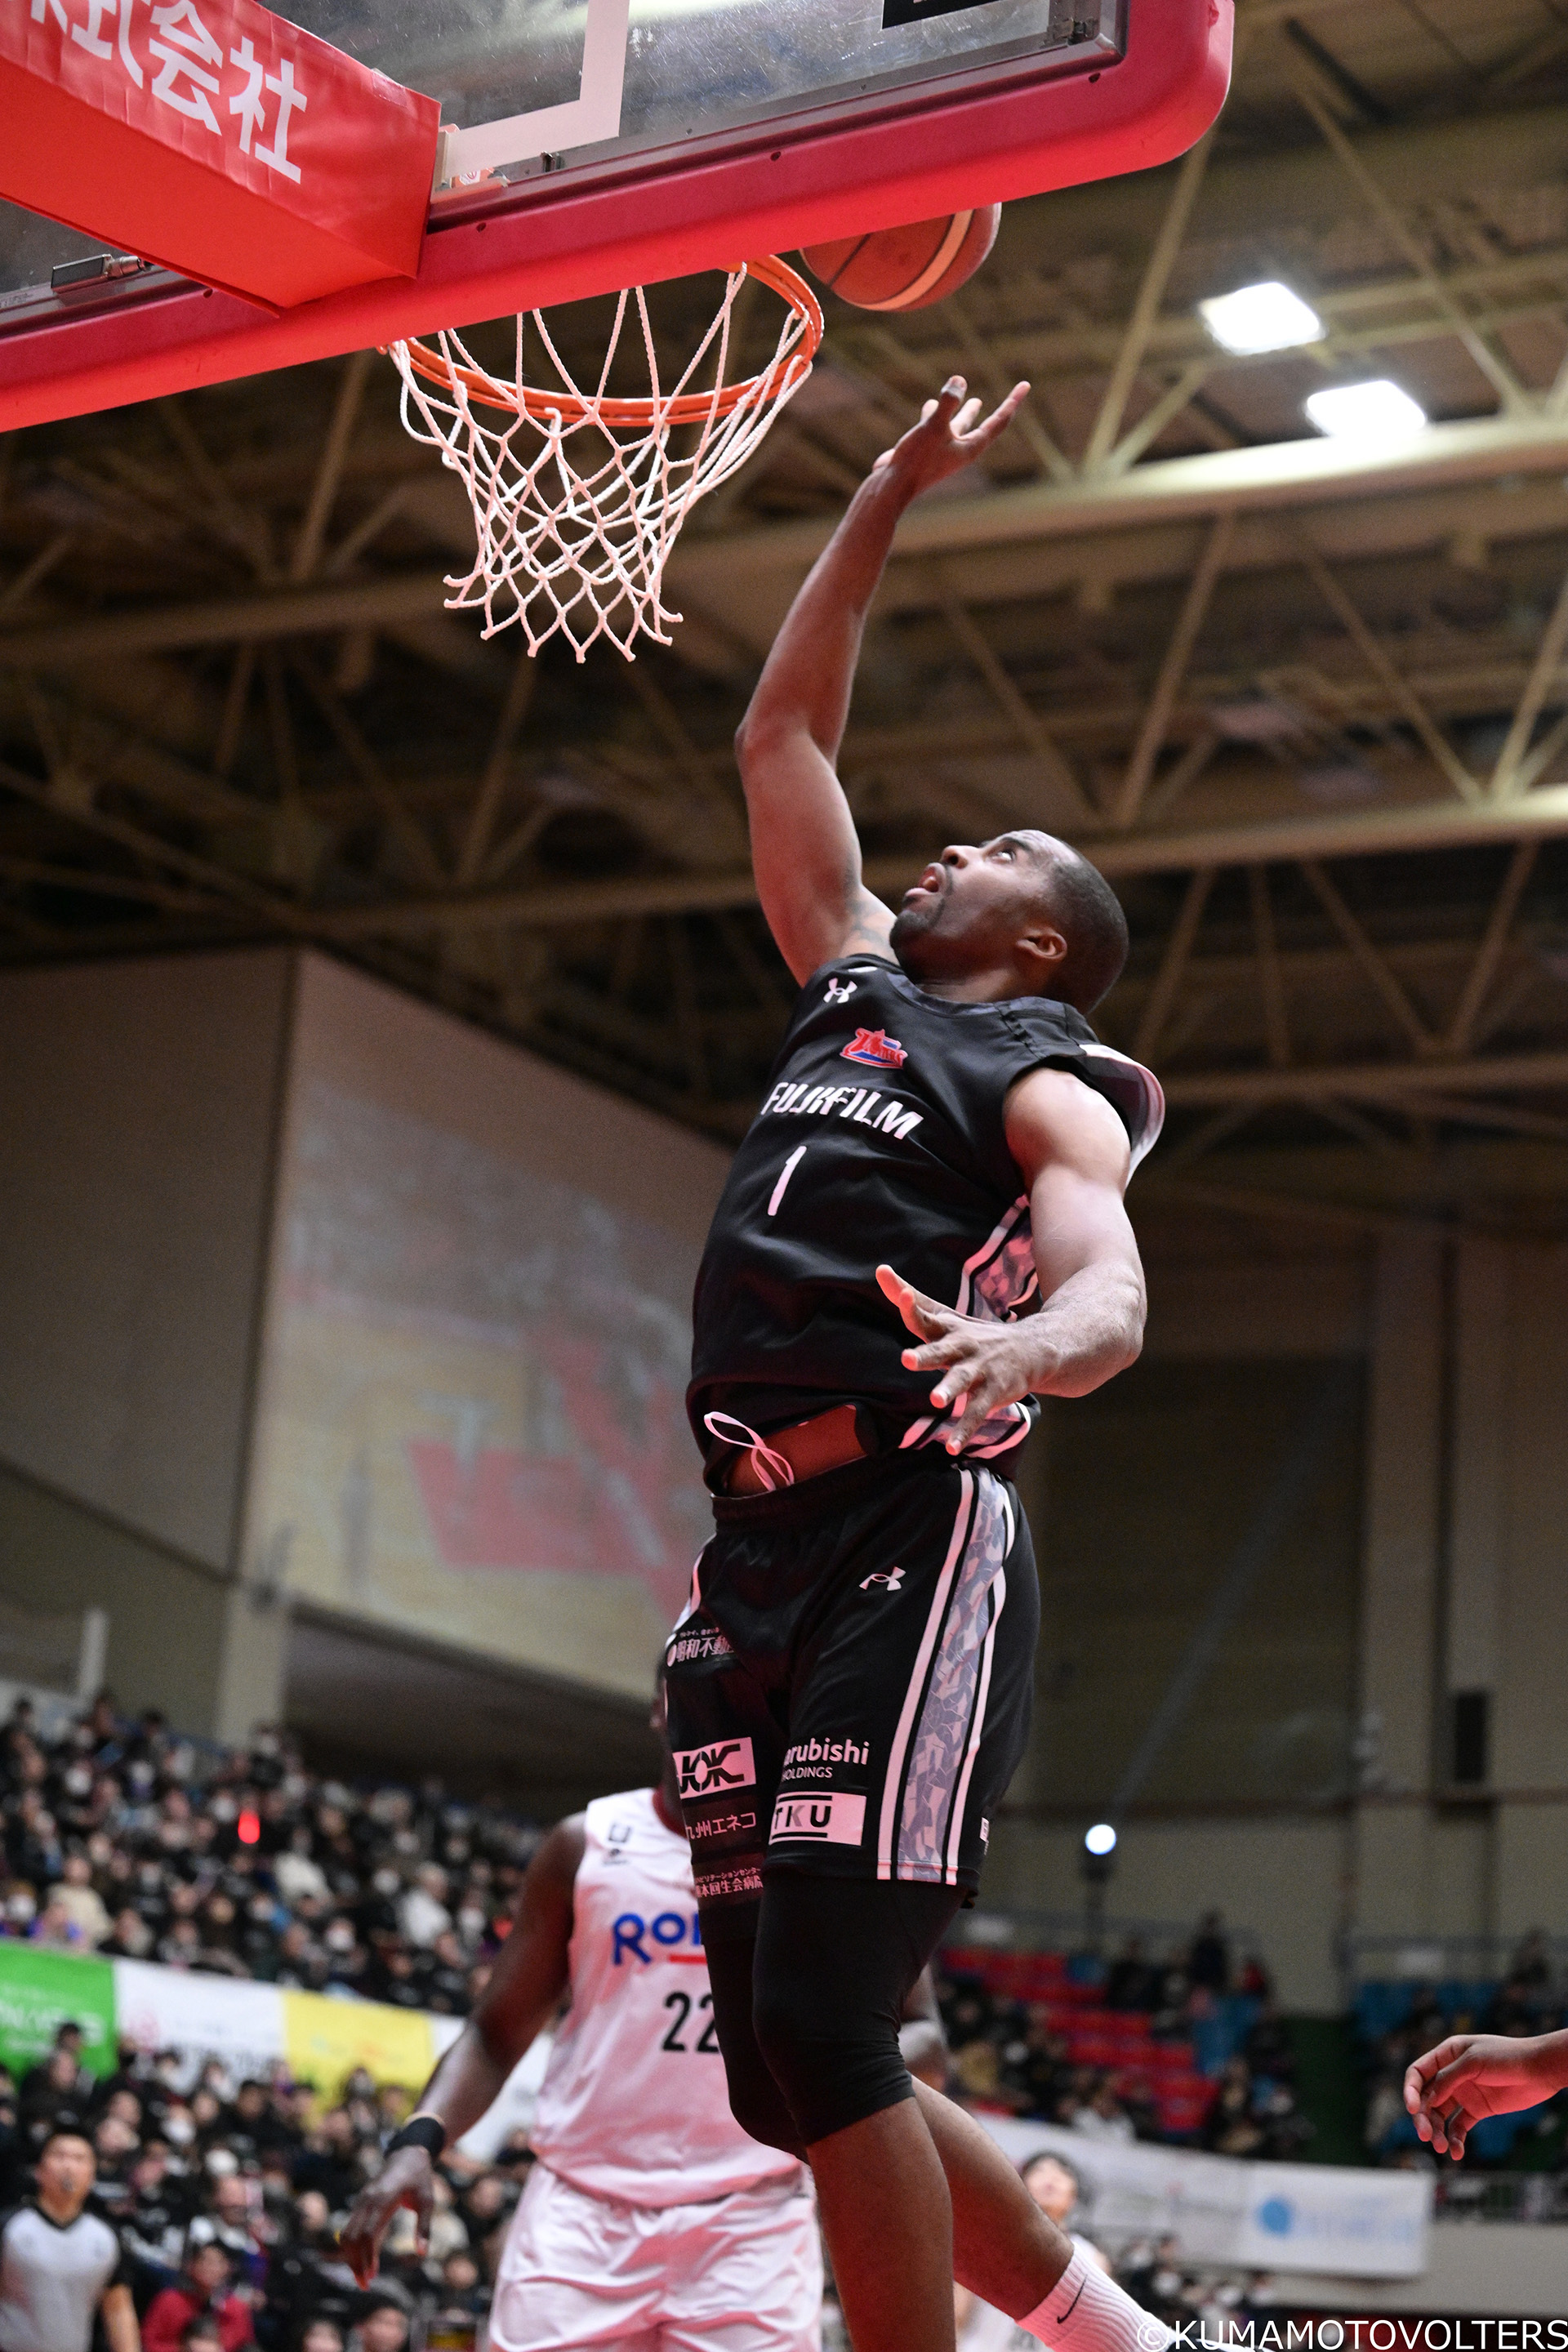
{"points": [[774, 382]]}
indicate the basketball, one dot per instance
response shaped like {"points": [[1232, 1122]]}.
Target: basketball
{"points": [[906, 268]]}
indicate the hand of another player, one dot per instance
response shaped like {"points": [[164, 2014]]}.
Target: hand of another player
{"points": [[405, 2179], [948, 436], [1474, 2074], [983, 1365]]}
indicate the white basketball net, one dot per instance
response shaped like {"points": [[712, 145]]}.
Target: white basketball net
{"points": [[578, 496]]}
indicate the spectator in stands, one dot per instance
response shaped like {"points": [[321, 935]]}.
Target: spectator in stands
{"points": [[1232, 2128], [1530, 1968], [151, 2223], [1268, 2048], [229, 2220], [55, 2093], [318, 2335], [1208, 1962], [79, 1900], [384, 2328], [1131, 1982], [205, 2290], [423, 1915], [1057, 2190], [1103, 2116]]}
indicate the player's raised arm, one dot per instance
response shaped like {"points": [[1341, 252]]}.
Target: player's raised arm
{"points": [[803, 846], [519, 2000]]}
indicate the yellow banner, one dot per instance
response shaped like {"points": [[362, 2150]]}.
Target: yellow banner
{"points": [[325, 2039]]}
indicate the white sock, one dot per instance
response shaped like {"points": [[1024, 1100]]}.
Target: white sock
{"points": [[1086, 2312]]}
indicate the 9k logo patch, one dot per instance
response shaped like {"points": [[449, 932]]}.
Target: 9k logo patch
{"points": [[709, 1772]]}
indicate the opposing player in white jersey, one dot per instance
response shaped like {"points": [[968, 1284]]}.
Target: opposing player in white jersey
{"points": [[650, 2221]]}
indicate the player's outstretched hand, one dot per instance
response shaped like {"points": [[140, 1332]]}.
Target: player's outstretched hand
{"points": [[949, 436], [1474, 2074], [983, 1365], [405, 2179]]}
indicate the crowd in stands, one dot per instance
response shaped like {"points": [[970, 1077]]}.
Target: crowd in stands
{"points": [[1396, 2020], [123, 1840], [226, 2197], [1187, 2048]]}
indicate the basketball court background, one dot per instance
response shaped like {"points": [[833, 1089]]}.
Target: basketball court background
{"points": [[1305, 700]]}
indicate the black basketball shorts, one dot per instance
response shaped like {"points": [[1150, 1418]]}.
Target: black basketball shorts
{"points": [[849, 1689]]}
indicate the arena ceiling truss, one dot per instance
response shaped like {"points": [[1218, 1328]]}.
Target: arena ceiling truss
{"points": [[1305, 700]]}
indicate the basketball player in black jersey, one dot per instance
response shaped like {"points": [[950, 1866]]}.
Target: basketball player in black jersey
{"points": [[944, 1145]]}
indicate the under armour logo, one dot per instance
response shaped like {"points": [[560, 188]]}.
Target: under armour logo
{"points": [[839, 991], [893, 1581]]}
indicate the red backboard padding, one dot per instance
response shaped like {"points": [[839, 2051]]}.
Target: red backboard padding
{"points": [[216, 137], [559, 237]]}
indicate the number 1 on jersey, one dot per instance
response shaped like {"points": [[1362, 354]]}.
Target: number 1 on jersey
{"points": [[791, 1164]]}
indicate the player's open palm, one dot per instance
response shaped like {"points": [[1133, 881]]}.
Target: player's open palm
{"points": [[950, 435], [1468, 2076], [982, 1365]]}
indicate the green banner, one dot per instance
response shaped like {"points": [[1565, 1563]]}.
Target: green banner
{"points": [[40, 1992]]}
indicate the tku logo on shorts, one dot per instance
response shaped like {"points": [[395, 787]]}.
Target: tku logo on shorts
{"points": [[706, 1771], [893, 1580], [823, 1820], [877, 1049]]}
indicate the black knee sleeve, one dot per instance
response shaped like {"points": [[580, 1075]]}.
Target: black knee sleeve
{"points": [[836, 1961], [756, 2101]]}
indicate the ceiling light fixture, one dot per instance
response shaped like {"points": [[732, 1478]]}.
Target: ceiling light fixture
{"points": [[1379, 410], [1263, 318]]}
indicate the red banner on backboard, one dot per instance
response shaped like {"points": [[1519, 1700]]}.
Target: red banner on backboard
{"points": [[216, 137]]}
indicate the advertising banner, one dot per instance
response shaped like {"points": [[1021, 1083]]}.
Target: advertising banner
{"points": [[41, 1991], [218, 137], [1322, 2218], [249, 2027]]}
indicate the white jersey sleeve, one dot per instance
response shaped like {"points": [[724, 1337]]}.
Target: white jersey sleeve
{"points": [[634, 2105]]}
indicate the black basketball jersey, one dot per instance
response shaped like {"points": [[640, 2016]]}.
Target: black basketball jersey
{"points": [[881, 1139]]}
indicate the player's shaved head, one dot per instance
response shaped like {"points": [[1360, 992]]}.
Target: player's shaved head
{"points": [[1087, 913]]}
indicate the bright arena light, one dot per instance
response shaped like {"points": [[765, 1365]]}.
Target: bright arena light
{"points": [[1379, 410], [1263, 318], [1101, 1839]]}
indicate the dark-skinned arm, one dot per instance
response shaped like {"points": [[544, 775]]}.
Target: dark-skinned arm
{"points": [[1072, 1152], [1472, 2076], [804, 850], [520, 1998]]}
